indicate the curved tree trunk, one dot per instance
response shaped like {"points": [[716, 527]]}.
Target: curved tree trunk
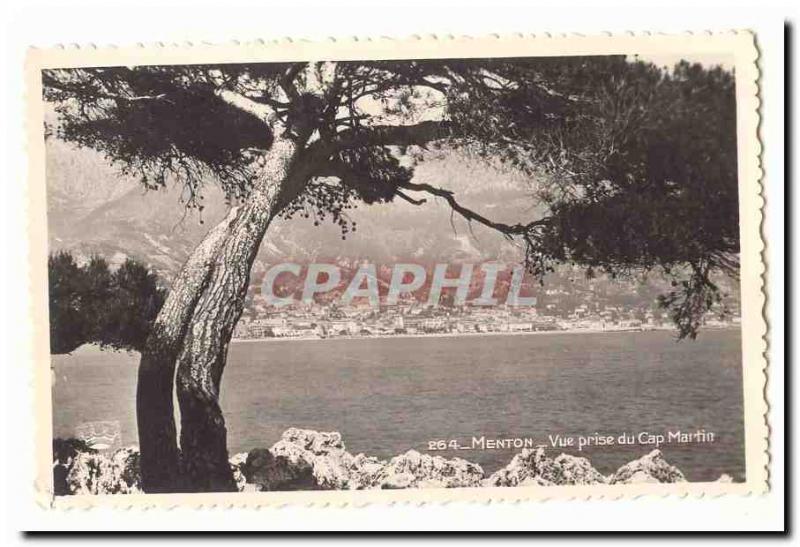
{"points": [[192, 332], [160, 458], [205, 347]]}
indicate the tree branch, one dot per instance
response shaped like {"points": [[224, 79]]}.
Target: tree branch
{"points": [[83, 89], [344, 173], [287, 82], [470, 215], [260, 111], [399, 193]]}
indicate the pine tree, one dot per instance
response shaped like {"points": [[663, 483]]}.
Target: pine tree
{"points": [[638, 167]]}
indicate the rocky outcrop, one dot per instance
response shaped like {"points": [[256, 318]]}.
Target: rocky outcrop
{"points": [[265, 472], [534, 468], [96, 473], [237, 462], [650, 468], [65, 451], [322, 462], [415, 470], [310, 460]]}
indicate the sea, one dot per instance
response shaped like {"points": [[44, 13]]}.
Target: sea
{"points": [[389, 395]]}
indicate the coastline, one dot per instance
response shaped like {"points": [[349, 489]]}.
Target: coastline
{"points": [[460, 334], [95, 348], [304, 459]]}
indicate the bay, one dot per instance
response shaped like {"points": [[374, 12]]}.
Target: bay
{"points": [[389, 395]]}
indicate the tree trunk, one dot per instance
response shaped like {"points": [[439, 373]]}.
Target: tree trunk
{"points": [[160, 458], [205, 349], [193, 332]]}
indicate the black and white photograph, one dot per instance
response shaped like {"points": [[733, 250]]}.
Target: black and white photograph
{"points": [[469, 273]]}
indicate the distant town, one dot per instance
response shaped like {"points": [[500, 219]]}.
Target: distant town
{"points": [[558, 311]]}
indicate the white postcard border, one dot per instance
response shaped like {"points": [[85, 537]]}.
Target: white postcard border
{"points": [[740, 44]]}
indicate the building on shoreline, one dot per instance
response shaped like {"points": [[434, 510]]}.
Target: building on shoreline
{"points": [[411, 318]]}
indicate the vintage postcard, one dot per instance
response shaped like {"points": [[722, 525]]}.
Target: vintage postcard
{"points": [[432, 269]]}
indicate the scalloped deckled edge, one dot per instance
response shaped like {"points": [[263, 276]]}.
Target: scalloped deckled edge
{"points": [[740, 44]]}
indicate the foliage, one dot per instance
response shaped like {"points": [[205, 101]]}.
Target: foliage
{"points": [[92, 303], [65, 450], [664, 192], [636, 164]]}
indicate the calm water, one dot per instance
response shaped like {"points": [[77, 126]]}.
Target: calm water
{"points": [[389, 395]]}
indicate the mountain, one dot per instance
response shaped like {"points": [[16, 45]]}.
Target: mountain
{"points": [[93, 208]]}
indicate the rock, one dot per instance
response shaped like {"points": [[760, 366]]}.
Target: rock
{"points": [[325, 457], [305, 459], [637, 477], [237, 461], [269, 472], [535, 481], [575, 470], [88, 474], [523, 466], [126, 465], [64, 453], [364, 472], [650, 468], [725, 478], [96, 473], [415, 470], [533, 467]]}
